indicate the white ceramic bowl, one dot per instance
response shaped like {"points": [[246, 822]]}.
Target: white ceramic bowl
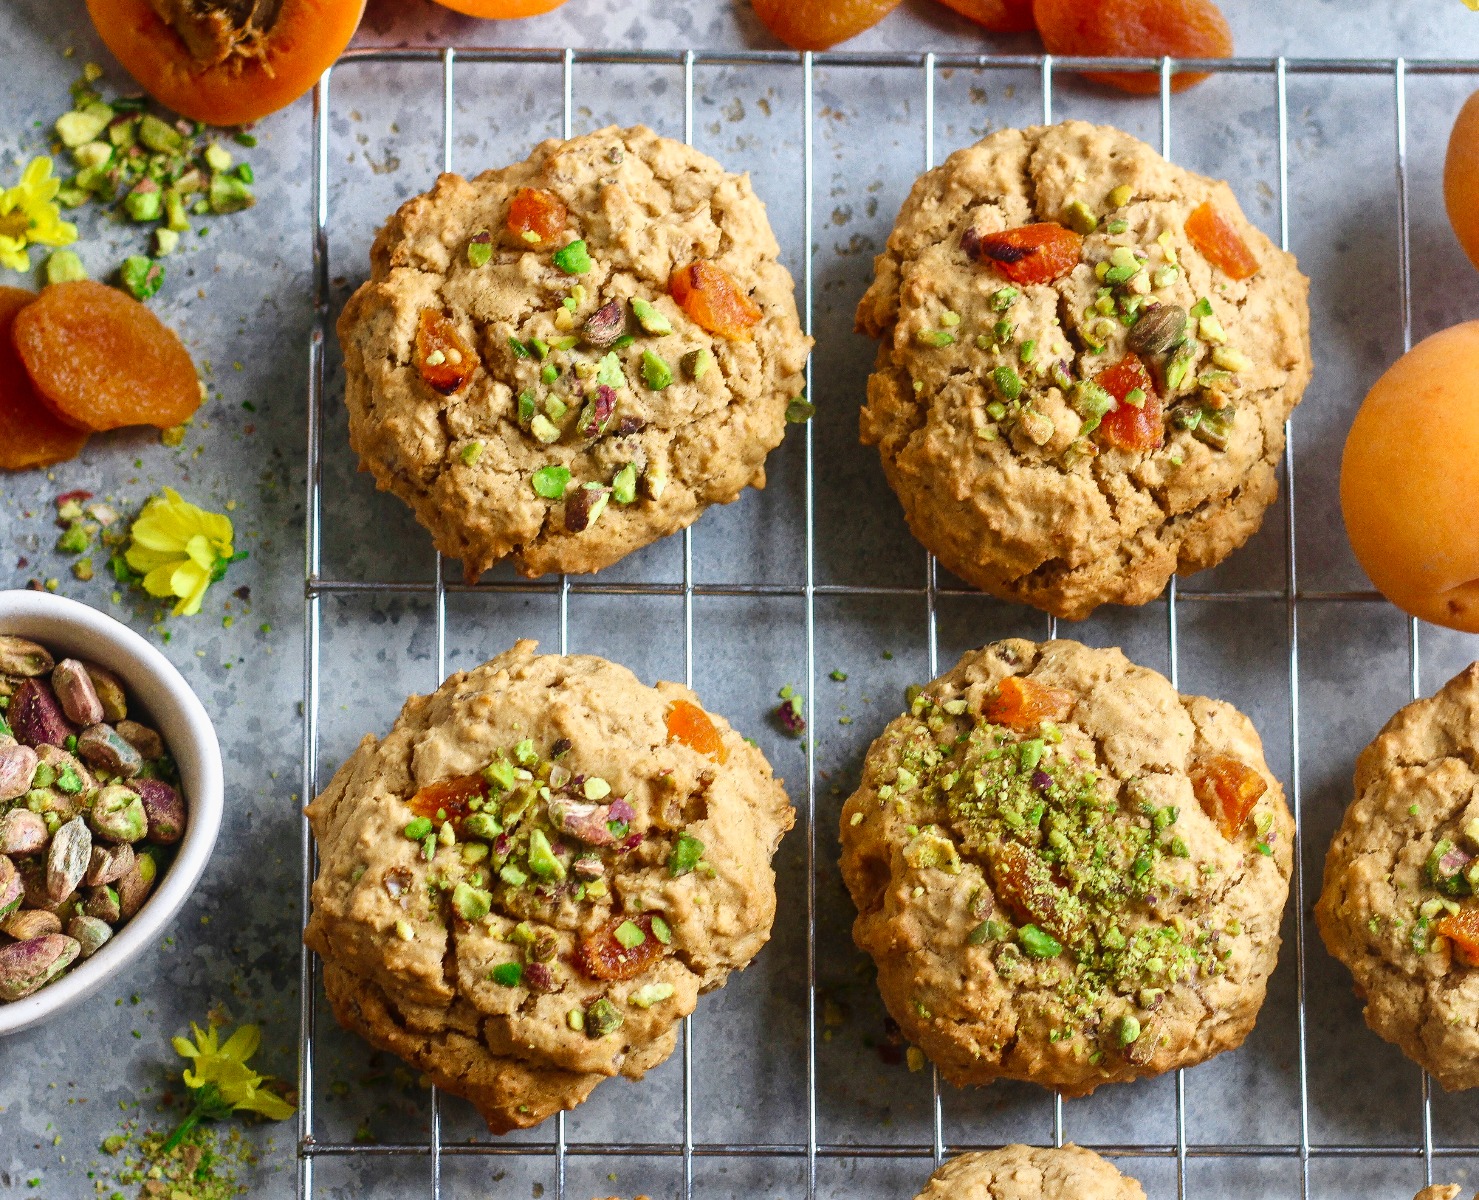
{"points": [[68, 628]]}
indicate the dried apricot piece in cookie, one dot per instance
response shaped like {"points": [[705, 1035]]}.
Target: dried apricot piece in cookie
{"points": [[689, 724], [443, 359], [1137, 422], [1220, 242], [1038, 253], [817, 24], [1022, 703], [536, 216], [1462, 929], [1227, 789], [998, 16], [449, 799], [30, 434], [1135, 29], [101, 360], [1024, 882], [714, 301], [623, 947]]}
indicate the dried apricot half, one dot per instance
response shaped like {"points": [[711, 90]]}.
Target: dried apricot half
{"points": [[998, 16], [713, 300], [221, 61], [1135, 29], [501, 9], [101, 360], [1137, 422], [30, 435], [1022, 703], [1461, 178], [623, 947], [817, 24]]}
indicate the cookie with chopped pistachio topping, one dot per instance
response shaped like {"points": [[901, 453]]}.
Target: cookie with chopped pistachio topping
{"points": [[1030, 1173], [1087, 359], [1065, 871], [527, 884], [563, 360], [1399, 904]]}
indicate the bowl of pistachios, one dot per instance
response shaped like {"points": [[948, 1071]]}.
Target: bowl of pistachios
{"points": [[111, 794]]}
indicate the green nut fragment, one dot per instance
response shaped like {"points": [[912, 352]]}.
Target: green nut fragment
{"points": [[1210, 329], [159, 136], [651, 993], [799, 411], [417, 828], [1121, 196], [508, 974], [661, 931], [78, 128], [1127, 1030], [512, 876], [655, 371], [140, 276], [1177, 368], [93, 154], [1003, 298], [166, 241], [228, 194], [175, 219], [609, 372], [545, 430], [937, 338], [685, 855], [471, 453], [1231, 360], [696, 363], [1091, 402], [470, 903], [479, 248], [650, 318], [572, 258], [549, 482], [1079, 217], [624, 486], [482, 825], [542, 860], [575, 1018], [630, 935], [145, 202], [1008, 383], [602, 1018], [217, 157], [1039, 944]]}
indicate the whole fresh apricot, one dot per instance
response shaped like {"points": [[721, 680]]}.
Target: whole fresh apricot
{"points": [[1461, 178], [1409, 478]]}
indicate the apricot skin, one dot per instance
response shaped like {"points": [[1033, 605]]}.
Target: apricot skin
{"points": [[1461, 178], [1409, 476]]}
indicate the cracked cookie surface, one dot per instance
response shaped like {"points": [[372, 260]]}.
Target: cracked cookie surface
{"points": [[1011, 467], [527, 884], [1030, 1173], [1065, 871], [541, 340], [1397, 905]]}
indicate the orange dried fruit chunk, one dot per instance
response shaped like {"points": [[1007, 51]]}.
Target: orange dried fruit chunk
{"points": [[614, 952], [689, 724], [1227, 789], [1220, 242], [713, 300], [443, 359], [1024, 882], [1462, 928], [817, 24], [450, 797], [1022, 703], [1135, 29], [1037, 253], [1461, 178], [536, 216], [101, 360], [30, 434], [999, 16], [1130, 426]]}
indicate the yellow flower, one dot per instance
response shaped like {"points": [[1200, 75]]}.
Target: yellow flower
{"points": [[29, 215], [180, 550], [224, 1068]]}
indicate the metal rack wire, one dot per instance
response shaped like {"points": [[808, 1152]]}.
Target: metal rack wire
{"points": [[812, 1149]]}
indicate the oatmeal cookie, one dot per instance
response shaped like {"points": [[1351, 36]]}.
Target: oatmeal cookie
{"points": [[1030, 1173], [1398, 906], [1439, 1191], [527, 884], [1065, 871], [1087, 358], [566, 359]]}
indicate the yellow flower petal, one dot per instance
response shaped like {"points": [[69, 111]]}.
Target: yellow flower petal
{"points": [[184, 1047], [200, 552], [160, 581], [242, 1044], [189, 582], [144, 560], [270, 1105]]}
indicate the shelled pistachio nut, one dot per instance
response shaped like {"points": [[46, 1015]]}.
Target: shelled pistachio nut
{"points": [[90, 933], [17, 768], [36, 716], [103, 747], [134, 888], [67, 859], [30, 923], [109, 864], [21, 657], [110, 691], [26, 966], [143, 739], [75, 692], [11, 888], [22, 832], [102, 902], [117, 815], [165, 809]]}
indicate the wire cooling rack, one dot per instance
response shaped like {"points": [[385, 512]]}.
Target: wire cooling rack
{"points": [[925, 69]]}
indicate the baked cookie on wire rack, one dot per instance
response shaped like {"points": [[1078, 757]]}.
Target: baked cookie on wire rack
{"points": [[527, 884], [1030, 1173], [1399, 905], [1088, 355], [1065, 871], [566, 359]]}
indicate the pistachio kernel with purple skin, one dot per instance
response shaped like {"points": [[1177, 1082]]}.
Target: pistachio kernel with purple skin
{"points": [[29, 965], [36, 716], [67, 859], [17, 769], [164, 808], [19, 656], [90, 933], [134, 888], [33, 876], [540, 978], [596, 416], [30, 923], [605, 325], [103, 747], [143, 739], [110, 692], [102, 902], [75, 693], [12, 890], [109, 864], [22, 832]]}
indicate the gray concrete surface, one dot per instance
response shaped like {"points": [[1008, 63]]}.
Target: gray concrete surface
{"points": [[242, 300]]}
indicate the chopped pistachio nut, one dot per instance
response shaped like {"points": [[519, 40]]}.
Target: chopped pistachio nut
{"points": [[1121, 196], [661, 931], [624, 485], [1231, 360], [629, 934], [471, 453], [655, 371], [480, 248], [63, 266], [602, 1018], [650, 318], [544, 429], [508, 974], [1079, 217], [696, 363], [799, 411], [949, 319], [1127, 1030], [609, 372], [651, 993], [417, 828], [1003, 298], [471, 904], [685, 855], [1008, 383], [572, 258], [937, 338]]}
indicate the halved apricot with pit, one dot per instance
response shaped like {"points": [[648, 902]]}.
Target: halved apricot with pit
{"points": [[101, 360], [1135, 29], [30, 435], [222, 61], [817, 24]]}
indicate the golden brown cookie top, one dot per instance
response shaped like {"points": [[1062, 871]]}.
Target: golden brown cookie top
{"points": [[1104, 860], [566, 358], [1030, 1173]]}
